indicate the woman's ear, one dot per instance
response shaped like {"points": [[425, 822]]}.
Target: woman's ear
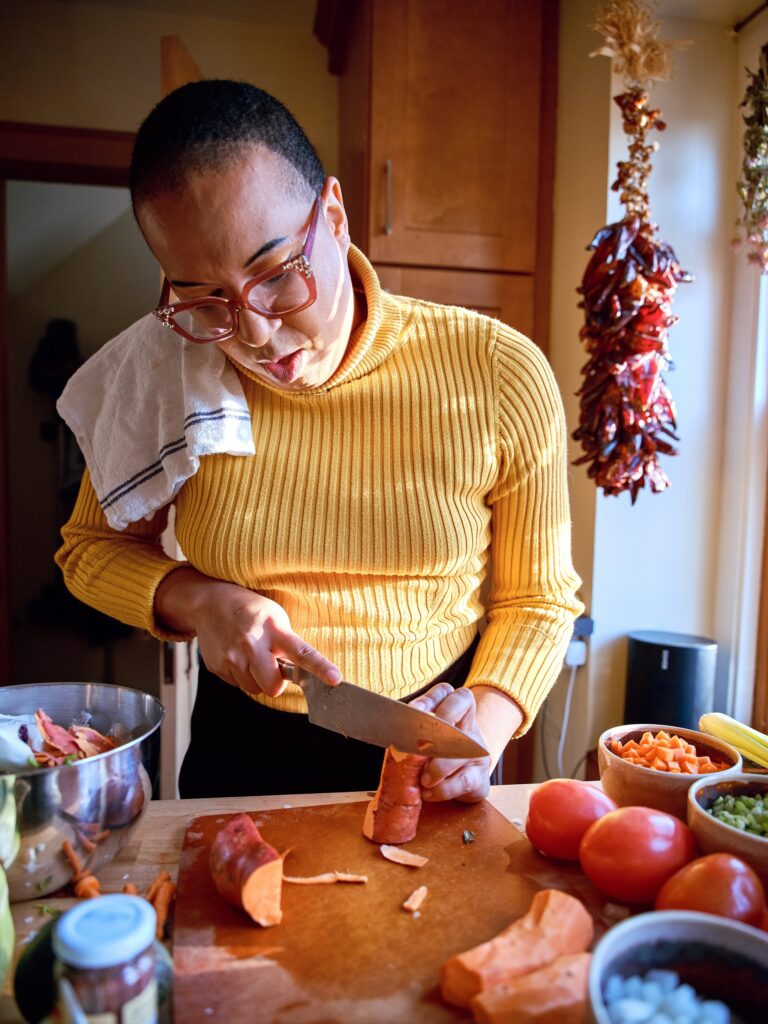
{"points": [[335, 215]]}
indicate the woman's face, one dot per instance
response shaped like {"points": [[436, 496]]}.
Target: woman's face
{"points": [[236, 221]]}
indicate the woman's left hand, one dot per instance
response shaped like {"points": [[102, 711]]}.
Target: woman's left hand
{"points": [[450, 778]]}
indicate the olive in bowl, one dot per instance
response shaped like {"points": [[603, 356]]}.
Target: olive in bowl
{"points": [[726, 816], [632, 784]]}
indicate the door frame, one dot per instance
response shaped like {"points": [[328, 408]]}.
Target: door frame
{"points": [[66, 155]]}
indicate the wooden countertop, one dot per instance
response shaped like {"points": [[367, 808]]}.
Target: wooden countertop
{"points": [[157, 845]]}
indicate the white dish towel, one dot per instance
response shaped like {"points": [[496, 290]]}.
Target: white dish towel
{"points": [[144, 409]]}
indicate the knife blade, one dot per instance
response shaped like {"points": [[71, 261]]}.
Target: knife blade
{"points": [[382, 721]]}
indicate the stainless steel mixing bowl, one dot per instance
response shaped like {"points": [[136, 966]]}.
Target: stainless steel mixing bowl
{"points": [[95, 803]]}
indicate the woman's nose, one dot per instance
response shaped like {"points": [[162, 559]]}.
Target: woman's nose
{"points": [[256, 330]]}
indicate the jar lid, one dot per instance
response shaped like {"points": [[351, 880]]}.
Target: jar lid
{"points": [[105, 931]]}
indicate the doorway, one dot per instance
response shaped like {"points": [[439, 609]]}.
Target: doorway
{"points": [[75, 258], [77, 274]]}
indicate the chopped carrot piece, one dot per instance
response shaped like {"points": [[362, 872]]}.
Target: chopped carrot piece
{"points": [[665, 753]]}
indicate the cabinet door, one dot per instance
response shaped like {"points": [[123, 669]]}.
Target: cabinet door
{"points": [[507, 297], [454, 132]]}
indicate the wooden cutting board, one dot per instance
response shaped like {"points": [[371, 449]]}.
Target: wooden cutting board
{"points": [[349, 953]]}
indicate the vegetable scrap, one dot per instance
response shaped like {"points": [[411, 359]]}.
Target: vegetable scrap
{"points": [[746, 813], [392, 816], [416, 899], [666, 753], [65, 746], [326, 878], [399, 856], [247, 871], [162, 892], [86, 885], [555, 925]]}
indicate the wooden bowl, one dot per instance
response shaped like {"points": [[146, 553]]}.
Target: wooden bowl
{"points": [[631, 785], [721, 959], [714, 836]]}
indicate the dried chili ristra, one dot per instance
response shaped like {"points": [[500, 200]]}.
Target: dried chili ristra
{"points": [[627, 415]]}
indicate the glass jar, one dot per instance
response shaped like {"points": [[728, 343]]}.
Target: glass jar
{"points": [[104, 948]]}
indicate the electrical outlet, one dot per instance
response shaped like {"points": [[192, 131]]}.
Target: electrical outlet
{"points": [[576, 655]]}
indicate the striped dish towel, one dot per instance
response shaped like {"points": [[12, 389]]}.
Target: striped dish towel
{"points": [[144, 409]]}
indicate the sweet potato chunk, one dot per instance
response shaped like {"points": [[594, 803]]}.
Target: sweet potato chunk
{"points": [[555, 924], [392, 816], [247, 871]]}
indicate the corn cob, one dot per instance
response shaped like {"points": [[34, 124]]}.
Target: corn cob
{"points": [[748, 741]]}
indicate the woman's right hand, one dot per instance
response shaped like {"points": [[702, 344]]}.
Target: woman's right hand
{"points": [[240, 633]]}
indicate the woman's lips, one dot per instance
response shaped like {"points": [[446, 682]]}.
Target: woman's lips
{"points": [[288, 369]]}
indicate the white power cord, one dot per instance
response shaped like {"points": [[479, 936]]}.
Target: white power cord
{"points": [[564, 727]]}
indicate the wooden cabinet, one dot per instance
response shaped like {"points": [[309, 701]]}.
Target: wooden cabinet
{"points": [[446, 148], [507, 297]]}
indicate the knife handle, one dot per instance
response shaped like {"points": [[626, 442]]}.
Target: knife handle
{"points": [[286, 669]]}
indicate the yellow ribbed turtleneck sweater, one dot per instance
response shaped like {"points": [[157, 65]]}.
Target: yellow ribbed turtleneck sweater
{"points": [[374, 507]]}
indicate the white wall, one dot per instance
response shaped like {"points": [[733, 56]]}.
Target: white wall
{"points": [[659, 564]]}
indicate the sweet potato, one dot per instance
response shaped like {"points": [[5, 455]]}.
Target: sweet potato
{"points": [[392, 816], [555, 994], [247, 871], [555, 924]]}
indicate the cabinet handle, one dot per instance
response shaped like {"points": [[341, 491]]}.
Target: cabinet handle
{"points": [[388, 198]]}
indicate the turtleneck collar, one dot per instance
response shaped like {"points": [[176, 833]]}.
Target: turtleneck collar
{"points": [[370, 343]]}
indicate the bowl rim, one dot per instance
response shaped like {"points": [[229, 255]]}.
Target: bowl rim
{"points": [[34, 772], [697, 809], [689, 777], [657, 919]]}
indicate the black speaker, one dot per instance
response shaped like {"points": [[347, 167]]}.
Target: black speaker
{"points": [[670, 678]]}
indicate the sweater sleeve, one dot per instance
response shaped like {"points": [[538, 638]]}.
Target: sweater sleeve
{"points": [[116, 572], [532, 598]]}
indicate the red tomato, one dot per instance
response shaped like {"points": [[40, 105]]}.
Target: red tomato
{"points": [[716, 884], [560, 812], [629, 853]]}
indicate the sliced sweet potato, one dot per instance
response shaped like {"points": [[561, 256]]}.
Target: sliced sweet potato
{"points": [[247, 871], [555, 994], [392, 816], [556, 924]]}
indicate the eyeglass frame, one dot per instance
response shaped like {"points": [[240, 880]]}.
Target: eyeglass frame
{"points": [[294, 265]]}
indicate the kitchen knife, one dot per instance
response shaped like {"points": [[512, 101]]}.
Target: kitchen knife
{"points": [[376, 719]]}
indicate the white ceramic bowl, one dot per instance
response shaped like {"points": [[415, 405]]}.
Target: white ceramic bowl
{"points": [[721, 959]]}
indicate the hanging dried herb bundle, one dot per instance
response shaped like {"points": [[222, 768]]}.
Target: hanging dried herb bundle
{"points": [[627, 415], [753, 184]]}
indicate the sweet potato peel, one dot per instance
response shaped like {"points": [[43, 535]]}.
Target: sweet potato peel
{"points": [[326, 878], [400, 856], [415, 900]]}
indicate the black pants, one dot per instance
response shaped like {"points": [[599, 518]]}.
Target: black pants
{"points": [[242, 748]]}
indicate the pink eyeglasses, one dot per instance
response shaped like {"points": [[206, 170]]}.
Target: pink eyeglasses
{"points": [[279, 291]]}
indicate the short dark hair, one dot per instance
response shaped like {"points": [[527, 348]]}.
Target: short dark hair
{"points": [[204, 125]]}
